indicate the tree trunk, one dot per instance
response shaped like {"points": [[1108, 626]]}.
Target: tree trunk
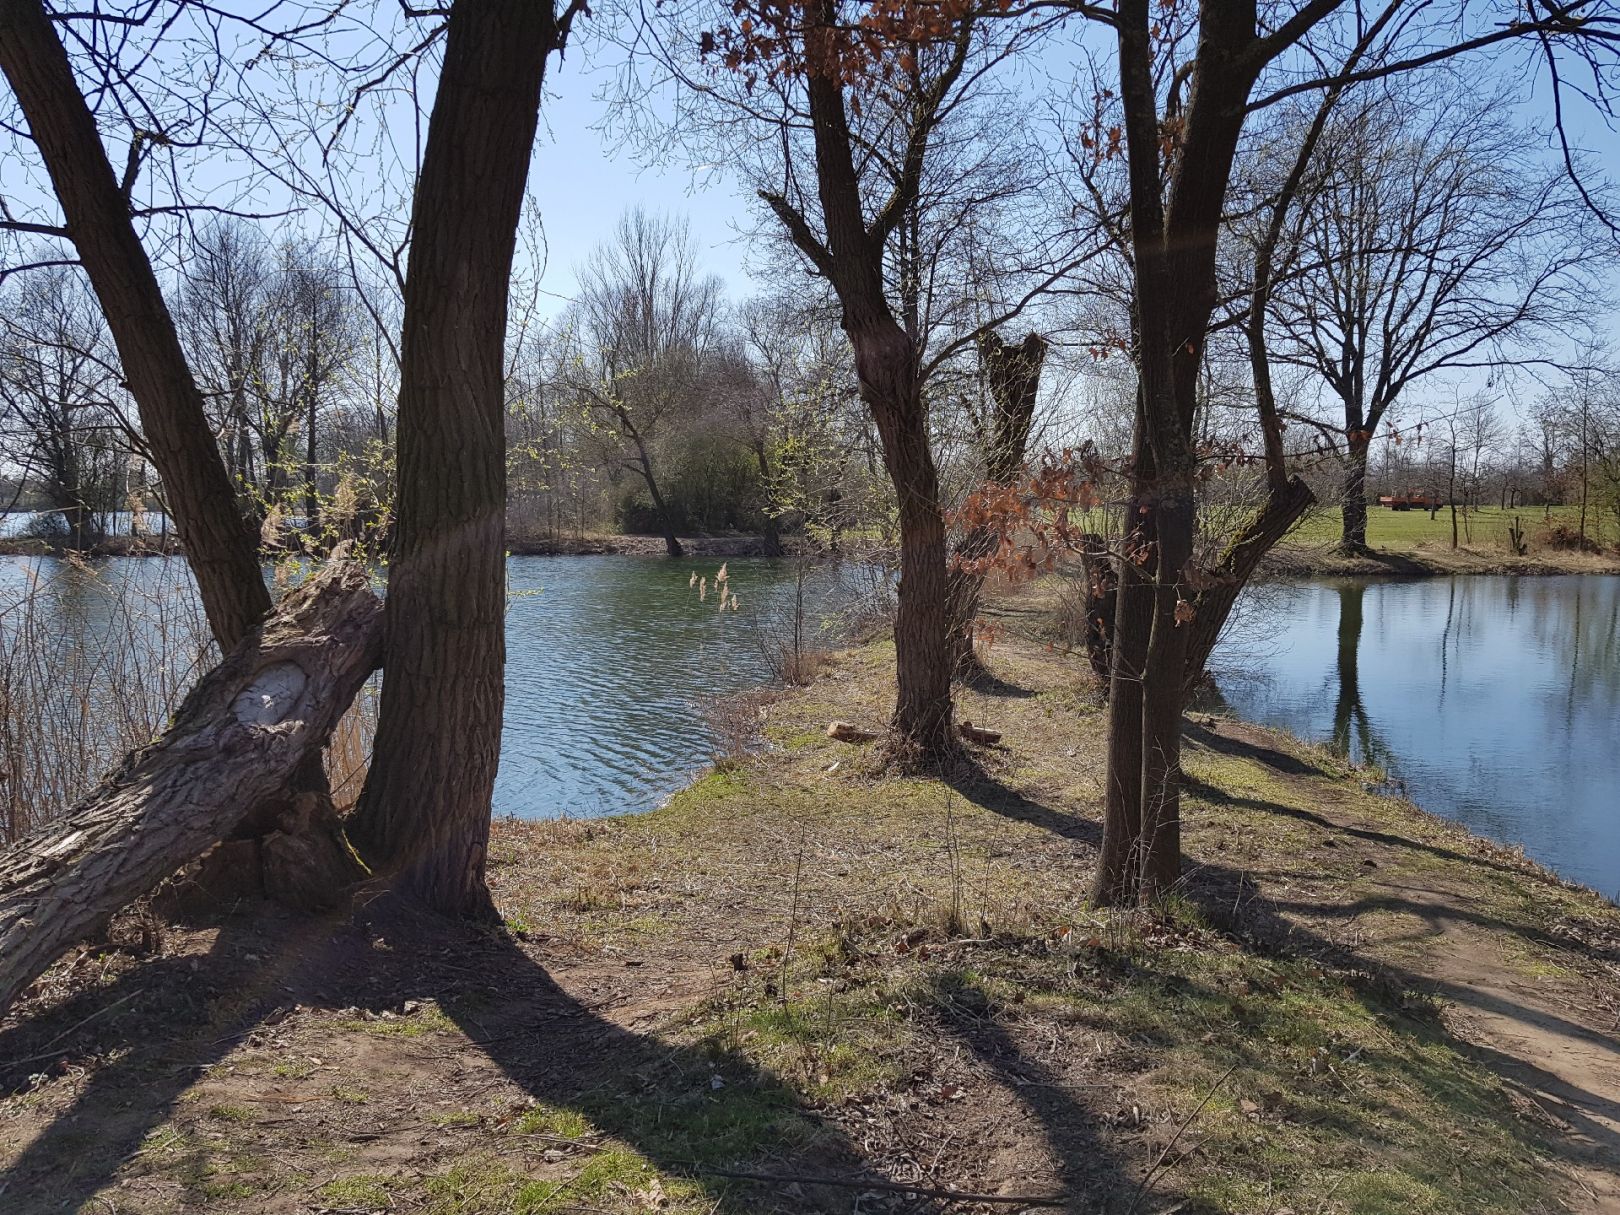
{"points": [[219, 546], [885, 363], [672, 544], [1101, 605], [234, 744], [1163, 675], [887, 369], [772, 539], [1354, 531], [1119, 862], [1174, 244], [426, 805]]}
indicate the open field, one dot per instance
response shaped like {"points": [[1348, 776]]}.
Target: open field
{"points": [[1410, 542], [803, 969], [1484, 528]]}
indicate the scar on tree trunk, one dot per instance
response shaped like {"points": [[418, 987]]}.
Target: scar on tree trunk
{"points": [[229, 752]]}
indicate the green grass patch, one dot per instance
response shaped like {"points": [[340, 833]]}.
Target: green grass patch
{"points": [[362, 1192]]}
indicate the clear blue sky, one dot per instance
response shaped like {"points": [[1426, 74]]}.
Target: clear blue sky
{"points": [[582, 183]]}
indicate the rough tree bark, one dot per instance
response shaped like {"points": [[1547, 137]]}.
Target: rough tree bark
{"points": [[1013, 376], [426, 805], [219, 545], [235, 743], [1354, 539]]}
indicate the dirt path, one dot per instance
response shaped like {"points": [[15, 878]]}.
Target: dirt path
{"points": [[1542, 1027]]}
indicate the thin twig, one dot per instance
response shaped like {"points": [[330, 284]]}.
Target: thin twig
{"points": [[50, 1054], [1185, 1123]]}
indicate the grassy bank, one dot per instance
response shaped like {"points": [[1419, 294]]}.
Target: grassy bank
{"points": [[1410, 543], [802, 969]]}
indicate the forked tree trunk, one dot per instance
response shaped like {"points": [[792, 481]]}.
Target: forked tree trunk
{"points": [[234, 744], [425, 809], [219, 546], [1174, 235]]}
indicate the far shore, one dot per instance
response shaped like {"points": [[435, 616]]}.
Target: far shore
{"points": [[1289, 561]]}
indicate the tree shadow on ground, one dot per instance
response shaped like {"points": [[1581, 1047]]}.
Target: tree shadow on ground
{"points": [[984, 789], [1220, 797], [981, 679], [658, 1097], [1089, 1172], [696, 1111], [1270, 756], [1232, 902]]}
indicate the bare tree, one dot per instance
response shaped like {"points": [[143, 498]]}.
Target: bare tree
{"points": [[1187, 85], [800, 417], [59, 378], [425, 809], [1432, 240], [645, 332], [897, 184], [98, 220]]}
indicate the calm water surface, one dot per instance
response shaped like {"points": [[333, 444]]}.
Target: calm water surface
{"points": [[1495, 700], [611, 661]]}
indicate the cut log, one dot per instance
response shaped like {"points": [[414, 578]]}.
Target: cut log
{"points": [[844, 732], [978, 734], [234, 744]]}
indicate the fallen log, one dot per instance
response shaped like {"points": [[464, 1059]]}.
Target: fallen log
{"points": [[978, 734], [844, 732], [234, 743]]}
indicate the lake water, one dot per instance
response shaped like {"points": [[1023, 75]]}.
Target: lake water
{"points": [[613, 663], [1494, 700]]}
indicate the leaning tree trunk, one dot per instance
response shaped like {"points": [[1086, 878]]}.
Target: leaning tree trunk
{"points": [[234, 744], [1212, 605], [425, 809], [219, 547], [1013, 374], [672, 543]]}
